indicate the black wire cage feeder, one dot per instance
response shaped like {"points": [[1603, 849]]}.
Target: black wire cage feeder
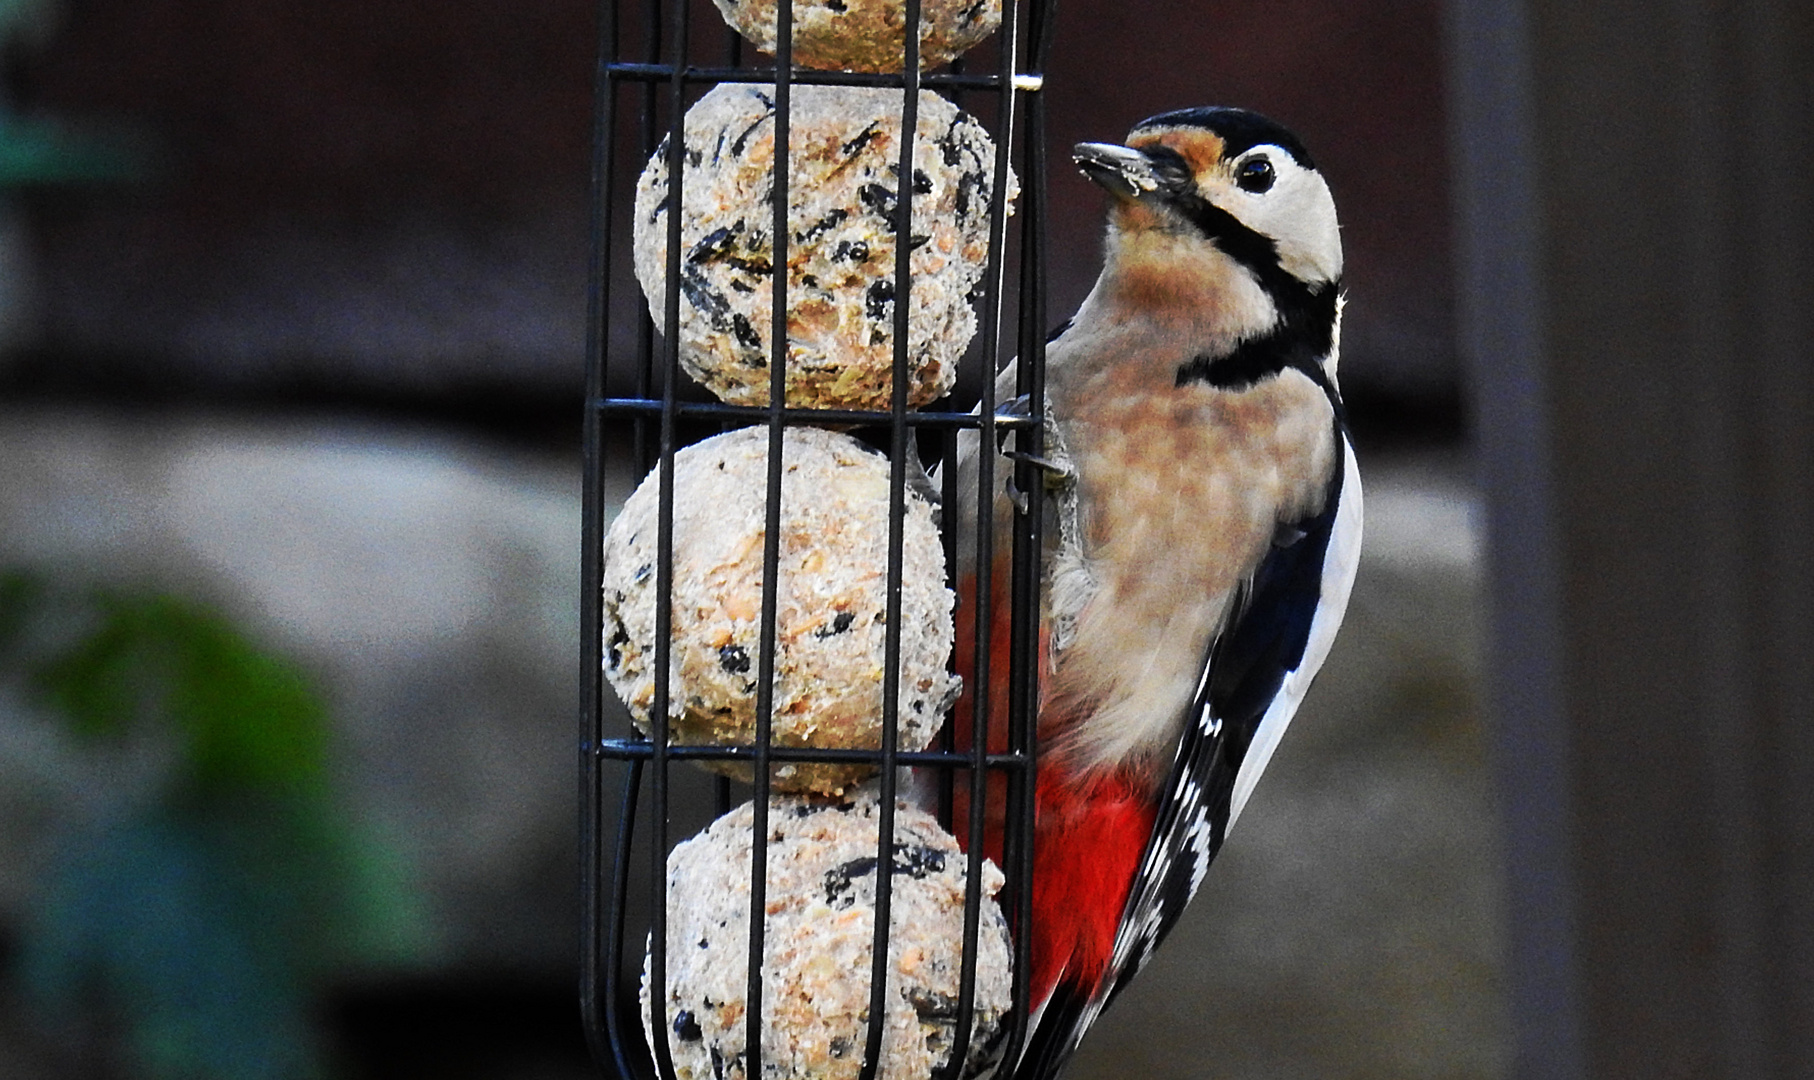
{"points": [[640, 792]]}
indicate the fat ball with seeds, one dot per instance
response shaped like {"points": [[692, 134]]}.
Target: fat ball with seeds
{"points": [[820, 904], [831, 602], [843, 188], [866, 35]]}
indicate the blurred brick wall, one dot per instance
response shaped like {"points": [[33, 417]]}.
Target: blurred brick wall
{"points": [[396, 193]]}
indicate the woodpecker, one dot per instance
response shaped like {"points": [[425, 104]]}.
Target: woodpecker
{"points": [[1205, 529]]}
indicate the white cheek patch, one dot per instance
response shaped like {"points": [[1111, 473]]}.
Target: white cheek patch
{"points": [[1298, 213]]}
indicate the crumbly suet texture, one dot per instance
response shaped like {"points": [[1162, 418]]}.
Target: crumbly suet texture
{"points": [[867, 35], [831, 603], [843, 163], [818, 945]]}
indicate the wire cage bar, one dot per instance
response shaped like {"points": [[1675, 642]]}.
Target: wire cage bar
{"points": [[656, 57]]}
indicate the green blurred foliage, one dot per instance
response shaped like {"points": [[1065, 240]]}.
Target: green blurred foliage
{"points": [[38, 151], [203, 916], [250, 721]]}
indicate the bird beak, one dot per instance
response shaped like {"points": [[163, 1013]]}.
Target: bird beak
{"points": [[1124, 171]]}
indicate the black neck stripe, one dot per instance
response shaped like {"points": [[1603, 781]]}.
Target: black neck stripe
{"points": [[1301, 339]]}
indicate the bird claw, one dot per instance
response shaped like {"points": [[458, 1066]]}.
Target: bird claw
{"points": [[1055, 463], [1017, 497], [1057, 471]]}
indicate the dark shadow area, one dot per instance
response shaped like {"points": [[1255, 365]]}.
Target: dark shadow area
{"points": [[478, 1026]]}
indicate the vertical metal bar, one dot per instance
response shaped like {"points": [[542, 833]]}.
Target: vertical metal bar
{"points": [[645, 328], [897, 495], [591, 731], [771, 542], [1039, 48], [1028, 539], [664, 558], [947, 736], [614, 929], [983, 587]]}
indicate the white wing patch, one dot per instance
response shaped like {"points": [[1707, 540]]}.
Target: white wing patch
{"points": [[1198, 844], [1207, 721]]}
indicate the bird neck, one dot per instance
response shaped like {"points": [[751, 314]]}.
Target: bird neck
{"points": [[1161, 301], [1180, 286]]}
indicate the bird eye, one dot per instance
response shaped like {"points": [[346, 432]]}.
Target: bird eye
{"points": [[1255, 175]]}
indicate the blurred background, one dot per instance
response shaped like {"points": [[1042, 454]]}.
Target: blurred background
{"points": [[292, 306]]}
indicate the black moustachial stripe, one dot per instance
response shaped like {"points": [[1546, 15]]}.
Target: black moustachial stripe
{"points": [[1251, 248], [1240, 131]]}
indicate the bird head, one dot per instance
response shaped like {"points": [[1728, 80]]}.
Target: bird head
{"points": [[1222, 179]]}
